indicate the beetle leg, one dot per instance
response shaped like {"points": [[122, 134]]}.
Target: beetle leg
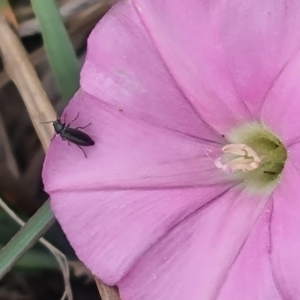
{"points": [[54, 136], [73, 120], [82, 151], [84, 126]]}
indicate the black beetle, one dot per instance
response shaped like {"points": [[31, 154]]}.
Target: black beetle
{"points": [[73, 135]]}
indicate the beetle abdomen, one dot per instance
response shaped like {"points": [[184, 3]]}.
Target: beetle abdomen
{"points": [[78, 137]]}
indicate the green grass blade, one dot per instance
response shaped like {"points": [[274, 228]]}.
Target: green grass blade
{"points": [[37, 259], [59, 49], [4, 4], [26, 237]]}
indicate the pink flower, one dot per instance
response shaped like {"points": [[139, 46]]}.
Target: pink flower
{"points": [[166, 85]]}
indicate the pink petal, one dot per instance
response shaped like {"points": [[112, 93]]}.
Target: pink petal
{"points": [[250, 277], [294, 154], [127, 153], [224, 56], [124, 69], [110, 230], [193, 260], [282, 106], [285, 228]]}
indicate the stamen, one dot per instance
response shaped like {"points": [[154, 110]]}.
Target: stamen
{"points": [[244, 158], [242, 150]]}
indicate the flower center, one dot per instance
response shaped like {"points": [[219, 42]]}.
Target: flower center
{"points": [[244, 158], [254, 155]]}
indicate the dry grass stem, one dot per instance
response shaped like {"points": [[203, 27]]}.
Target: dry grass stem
{"points": [[90, 15], [107, 292], [22, 73], [8, 153]]}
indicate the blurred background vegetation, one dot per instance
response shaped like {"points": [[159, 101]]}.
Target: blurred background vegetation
{"points": [[37, 274]]}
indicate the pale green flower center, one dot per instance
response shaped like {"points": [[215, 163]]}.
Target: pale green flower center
{"points": [[255, 155]]}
